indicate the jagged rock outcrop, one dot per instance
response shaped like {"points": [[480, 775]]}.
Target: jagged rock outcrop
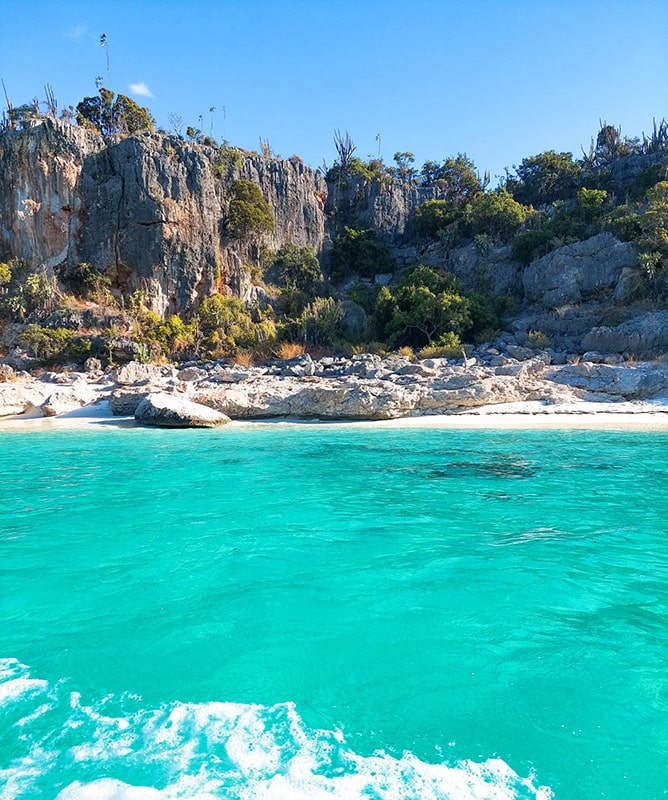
{"points": [[613, 382], [624, 171], [642, 337], [40, 191], [577, 271], [494, 269], [149, 209], [386, 206]]}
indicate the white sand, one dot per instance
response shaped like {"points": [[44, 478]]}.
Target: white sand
{"points": [[93, 415], [637, 416]]}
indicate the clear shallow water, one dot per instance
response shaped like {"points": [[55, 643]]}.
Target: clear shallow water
{"points": [[282, 612]]}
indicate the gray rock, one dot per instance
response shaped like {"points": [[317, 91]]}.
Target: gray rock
{"points": [[148, 209], [519, 353], [124, 402], [168, 411], [575, 271], [92, 365], [192, 374], [135, 373], [60, 403], [641, 336], [639, 382], [353, 322]]}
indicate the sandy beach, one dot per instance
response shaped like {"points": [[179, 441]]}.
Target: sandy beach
{"points": [[629, 416]]}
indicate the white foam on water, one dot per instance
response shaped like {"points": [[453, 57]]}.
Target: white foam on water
{"points": [[208, 751]]}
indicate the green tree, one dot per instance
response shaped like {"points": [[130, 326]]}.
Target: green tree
{"points": [[405, 170], [544, 178], [456, 178], [297, 268], [435, 216], [423, 308], [497, 214], [358, 252], [108, 113], [249, 214], [130, 117]]}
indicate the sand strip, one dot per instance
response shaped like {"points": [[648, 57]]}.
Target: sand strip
{"points": [[629, 416]]}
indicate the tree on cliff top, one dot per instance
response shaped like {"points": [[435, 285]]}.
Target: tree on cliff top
{"points": [[108, 113]]}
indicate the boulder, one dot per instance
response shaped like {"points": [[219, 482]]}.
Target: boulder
{"points": [[189, 374], [353, 321], [16, 398], [92, 365], [135, 373], [61, 402], [168, 411], [124, 402]]}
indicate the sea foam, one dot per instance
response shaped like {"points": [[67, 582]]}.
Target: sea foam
{"points": [[114, 749]]}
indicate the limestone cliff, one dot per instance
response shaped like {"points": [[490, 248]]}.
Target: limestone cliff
{"points": [[150, 210], [385, 206]]}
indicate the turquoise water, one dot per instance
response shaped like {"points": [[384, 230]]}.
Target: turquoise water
{"points": [[333, 611]]}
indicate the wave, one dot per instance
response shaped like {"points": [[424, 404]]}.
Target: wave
{"points": [[51, 743]]}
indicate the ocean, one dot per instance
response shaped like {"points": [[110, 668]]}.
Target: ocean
{"points": [[333, 611]]}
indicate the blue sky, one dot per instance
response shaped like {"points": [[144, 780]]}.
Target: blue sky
{"points": [[498, 80]]}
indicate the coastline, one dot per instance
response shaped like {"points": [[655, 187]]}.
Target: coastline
{"points": [[520, 415]]}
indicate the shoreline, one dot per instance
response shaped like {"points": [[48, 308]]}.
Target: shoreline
{"points": [[521, 415]]}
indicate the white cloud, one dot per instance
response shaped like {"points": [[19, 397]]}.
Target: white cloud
{"points": [[76, 32], [141, 89]]}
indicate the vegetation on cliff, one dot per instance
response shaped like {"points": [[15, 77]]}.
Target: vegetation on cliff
{"points": [[359, 291]]}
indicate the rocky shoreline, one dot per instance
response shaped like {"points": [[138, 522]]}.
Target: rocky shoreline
{"points": [[362, 387]]}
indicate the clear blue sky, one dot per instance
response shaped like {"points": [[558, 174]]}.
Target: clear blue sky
{"points": [[498, 80]]}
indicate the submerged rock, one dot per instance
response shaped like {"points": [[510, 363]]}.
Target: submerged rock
{"points": [[168, 411]]}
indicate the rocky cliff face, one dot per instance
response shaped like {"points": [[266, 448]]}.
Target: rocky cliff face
{"points": [[40, 201], [150, 210], [387, 207]]}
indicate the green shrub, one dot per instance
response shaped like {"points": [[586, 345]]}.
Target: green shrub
{"points": [[496, 214], [538, 340], [654, 222], [624, 224], [320, 322], [171, 335], [55, 345], [590, 203], [487, 314], [435, 216], [226, 326], [358, 252], [88, 282], [249, 214], [447, 346], [297, 268], [227, 159]]}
